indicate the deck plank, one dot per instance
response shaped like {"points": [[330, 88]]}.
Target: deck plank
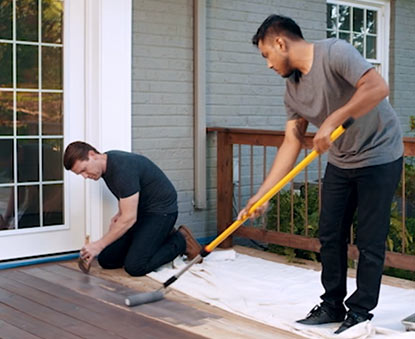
{"points": [[51, 303], [122, 322], [210, 320], [176, 313], [11, 332], [28, 323], [79, 328]]}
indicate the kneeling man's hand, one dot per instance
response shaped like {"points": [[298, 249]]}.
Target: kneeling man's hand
{"points": [[90, 251]]}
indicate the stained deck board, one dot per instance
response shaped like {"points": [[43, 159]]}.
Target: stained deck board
{"points": [[188, 313], [27, 323], [115, 293], [52, 310], [11, 332]]}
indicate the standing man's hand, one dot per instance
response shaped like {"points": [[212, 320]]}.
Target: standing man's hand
{"points": [[90, 251], [255, 214], [322, 141]]}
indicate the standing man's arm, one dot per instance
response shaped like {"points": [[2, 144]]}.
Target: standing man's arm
{"points": [[284, 161], [120, 224], [371, 89]]}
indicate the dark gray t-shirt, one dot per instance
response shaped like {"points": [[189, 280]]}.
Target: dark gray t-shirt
{"points": [[375, 138], [129, 173]]}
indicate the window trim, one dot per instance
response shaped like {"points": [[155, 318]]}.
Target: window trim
{"points": [[383, 28]]}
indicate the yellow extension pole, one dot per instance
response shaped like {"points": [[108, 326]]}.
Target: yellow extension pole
{"points": [[274, 190]]}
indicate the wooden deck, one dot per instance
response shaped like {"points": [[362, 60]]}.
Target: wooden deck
{"points": [[58, 301]]}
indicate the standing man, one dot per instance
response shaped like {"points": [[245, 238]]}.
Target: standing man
{"points": [[141, 236], [328, 82]]}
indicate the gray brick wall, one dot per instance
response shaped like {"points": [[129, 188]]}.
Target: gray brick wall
{"points": [[402, 60], [163, 98], [241, 91]]}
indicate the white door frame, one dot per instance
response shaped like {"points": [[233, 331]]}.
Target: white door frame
{"points": [[108, 96], [68, 237], [97, 109]]}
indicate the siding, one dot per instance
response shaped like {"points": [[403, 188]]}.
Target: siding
{"points": [[163, 97], [402, 60]]}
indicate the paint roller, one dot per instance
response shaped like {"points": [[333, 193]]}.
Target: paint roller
{"points": [[149, 297]]}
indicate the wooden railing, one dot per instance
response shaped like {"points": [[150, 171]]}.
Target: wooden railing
{"points": [[229, 139]]}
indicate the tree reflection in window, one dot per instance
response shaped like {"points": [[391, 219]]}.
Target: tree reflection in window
{"points": [[357, 25], [31, 113]]}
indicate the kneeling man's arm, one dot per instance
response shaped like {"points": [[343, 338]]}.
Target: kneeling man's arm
{"points": [[127, 216]]}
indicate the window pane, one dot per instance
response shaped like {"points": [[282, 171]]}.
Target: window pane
{"points": [[27, 160], [6, 113], [27, 110], [370, 47], [52, 18], [6, 17], [52, 205], [52, 67], [52, 159], [27, 66], [6, 208], [52, 114], [331, 34], [358, 24], [371, 21], [331, 16], [27, 20], [344, 18], [344, 36], [358, 42], [6, 161], [28, 206], [6, 66]]}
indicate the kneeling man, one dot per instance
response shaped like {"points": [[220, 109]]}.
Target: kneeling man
{"points": [[141, 236]]}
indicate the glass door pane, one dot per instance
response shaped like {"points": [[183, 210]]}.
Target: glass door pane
{"points": [[31, 113]]}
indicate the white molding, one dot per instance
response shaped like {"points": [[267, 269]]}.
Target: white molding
{"points": [[200, 103], [93, 192], [108, 96]]}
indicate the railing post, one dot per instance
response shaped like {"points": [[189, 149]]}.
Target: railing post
{"points": [[224, 185]]}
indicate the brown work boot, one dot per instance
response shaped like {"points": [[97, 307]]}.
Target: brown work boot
{"points": [[193, 248]]}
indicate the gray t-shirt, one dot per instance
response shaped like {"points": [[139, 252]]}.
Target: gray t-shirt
{"points": [[129, 173], [373, 139]]}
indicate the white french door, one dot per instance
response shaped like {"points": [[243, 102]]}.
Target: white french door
{"points": [[41, 110]]}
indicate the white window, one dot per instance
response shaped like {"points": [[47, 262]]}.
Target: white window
{"points": [[31, 114], [365, 24]]}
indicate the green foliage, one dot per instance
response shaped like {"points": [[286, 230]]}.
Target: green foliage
{"points": [[299, 218], [398, 235], [412, 123]]}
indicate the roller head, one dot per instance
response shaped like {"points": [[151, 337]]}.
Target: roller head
{"points": [[144, 298]]}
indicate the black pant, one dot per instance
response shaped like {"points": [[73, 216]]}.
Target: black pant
{"points": [[147, 245], [369, 190]]}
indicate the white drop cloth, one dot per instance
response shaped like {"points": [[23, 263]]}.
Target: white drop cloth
{"points": [[278, 294]]}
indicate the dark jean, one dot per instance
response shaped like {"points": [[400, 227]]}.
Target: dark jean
{"points": [[369, 190], [147, 245]]}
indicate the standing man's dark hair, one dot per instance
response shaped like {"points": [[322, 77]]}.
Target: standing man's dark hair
{"points": [[276, 25]]}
